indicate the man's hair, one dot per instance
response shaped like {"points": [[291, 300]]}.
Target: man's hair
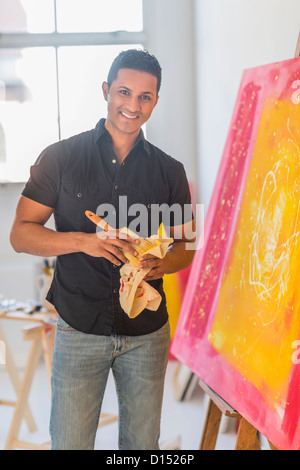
{"points": [[135, 59]]}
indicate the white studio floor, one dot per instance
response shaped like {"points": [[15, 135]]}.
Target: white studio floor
{"points": [[182, 421]]}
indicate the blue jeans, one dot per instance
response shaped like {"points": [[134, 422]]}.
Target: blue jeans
{"points": [[81, 366]]}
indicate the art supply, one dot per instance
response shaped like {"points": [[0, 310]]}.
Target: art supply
{"points": [[136, 294], [12, 305], [141, 248], [247, 437]]}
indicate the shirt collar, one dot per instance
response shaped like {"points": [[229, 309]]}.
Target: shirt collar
{"points": [[100, 132]]}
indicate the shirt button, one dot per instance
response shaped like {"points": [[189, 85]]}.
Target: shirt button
{"points": [[116, 187], [79, 194], [114, 160], [115, 291]]}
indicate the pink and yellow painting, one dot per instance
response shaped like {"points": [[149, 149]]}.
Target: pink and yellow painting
{"points": [[239, 325]]}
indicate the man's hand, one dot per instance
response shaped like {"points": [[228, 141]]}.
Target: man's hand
{"points": [[179, 255], [157, 266], [176, 258], [109, 244]]}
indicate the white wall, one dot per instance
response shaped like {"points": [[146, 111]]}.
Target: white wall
{"points": [[17, 271], [232, 35], [169, 27]]}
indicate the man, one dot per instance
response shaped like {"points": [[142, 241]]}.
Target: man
{"points": [[94, 335]]}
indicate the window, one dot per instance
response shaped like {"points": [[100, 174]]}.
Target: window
{"points": [[105, 16], [54, 56]]}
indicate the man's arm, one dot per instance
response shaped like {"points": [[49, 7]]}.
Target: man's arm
{"points": [[179, 255], [29, 235]]}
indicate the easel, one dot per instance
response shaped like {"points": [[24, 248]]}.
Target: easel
{"points": [[247, 438], [41, 331], [247, 434], [16, 382]]}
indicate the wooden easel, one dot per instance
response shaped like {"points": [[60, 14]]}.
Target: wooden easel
{"points": [[41, 334], [247, 434], [16, 382]]}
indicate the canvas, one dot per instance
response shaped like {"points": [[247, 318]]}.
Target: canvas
{"points": [[239, 325]]}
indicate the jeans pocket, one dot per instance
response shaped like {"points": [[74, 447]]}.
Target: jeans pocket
{"points": [[63, 326]]}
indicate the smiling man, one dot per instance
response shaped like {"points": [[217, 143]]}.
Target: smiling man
{"points": [[131, 98], [94, 335]]}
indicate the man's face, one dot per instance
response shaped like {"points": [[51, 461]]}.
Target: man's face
{"points": [[131, 99]]}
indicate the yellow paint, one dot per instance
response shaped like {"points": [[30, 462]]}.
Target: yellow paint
{"points": [[258, 313], [172, 292], [173, 299]]}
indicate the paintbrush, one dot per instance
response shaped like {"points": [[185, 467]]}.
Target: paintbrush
{"points": [[141, 248]]}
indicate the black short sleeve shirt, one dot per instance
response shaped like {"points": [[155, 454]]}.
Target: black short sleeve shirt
{"points": [[82, 173]]}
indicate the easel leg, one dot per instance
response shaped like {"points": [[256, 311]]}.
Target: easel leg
{"points": [[16, 382], [272, 447], [211, 427], [247, 437], [30, 368]]}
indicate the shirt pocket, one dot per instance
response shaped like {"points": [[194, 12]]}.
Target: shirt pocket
{"points": [[74, 200]]}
